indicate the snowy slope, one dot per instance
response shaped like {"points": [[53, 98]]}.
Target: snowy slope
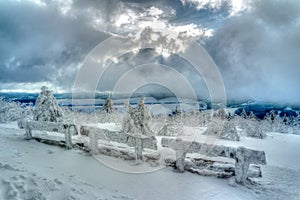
{"points": [[33, 170]]}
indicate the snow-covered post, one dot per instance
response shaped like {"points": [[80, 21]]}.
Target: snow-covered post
{"points": [[28, 131], [93, 136], [180, 150], [68, 137], [243, 158], [241, 165], [138, 148]]}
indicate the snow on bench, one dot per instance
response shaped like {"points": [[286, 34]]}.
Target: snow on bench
{"points": [[29, 126], [243, 156], [122, 141]]}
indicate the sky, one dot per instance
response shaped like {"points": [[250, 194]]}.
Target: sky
{"points": [[255, 44]]}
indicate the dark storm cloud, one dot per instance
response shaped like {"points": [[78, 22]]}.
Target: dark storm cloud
{"points": [[38, 43], [258, 52], [45, 41], [129, 61]]}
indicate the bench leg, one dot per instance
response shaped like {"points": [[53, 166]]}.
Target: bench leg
{"points": [[180, 157], [28, 132], [241, 166], [68, 139], [139, 149], [93, 142]]}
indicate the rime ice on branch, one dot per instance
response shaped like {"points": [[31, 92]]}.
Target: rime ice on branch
{"points": [[46, 107]]}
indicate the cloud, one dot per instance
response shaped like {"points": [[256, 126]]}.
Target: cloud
{"points": [[45, 41], [258, 52], [39, 44], [254, 43]]}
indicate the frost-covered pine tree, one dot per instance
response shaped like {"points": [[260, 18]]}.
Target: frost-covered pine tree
{"points": [[11, 111], [253, 116], [242, 119], [177, 111], [221, 114], [273, 115], [285, 119], [254, 129], [214, 128], [107, 106], [275, 122], [229, 132], [137, 120], [244, 114], [143, 118], [128, 125], [266, 123], [46, 107], [296, 124], [230, 116]]}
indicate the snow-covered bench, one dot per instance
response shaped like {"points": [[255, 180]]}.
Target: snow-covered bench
{"points": [[63, 128], [114, 142], [243, 156]]}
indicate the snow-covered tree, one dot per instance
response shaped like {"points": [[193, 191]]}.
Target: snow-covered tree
{"points": [[128, 125], [214, 128], [230, 116], [221, 114], [229, 131], [273, 115], [266, 123], [285, 119], [12, 111], [177, 111], [252, 116], [107, 106], [143, 118], [244, 114], [137, 120], [170, 129], [46, 107], [254, 129]]}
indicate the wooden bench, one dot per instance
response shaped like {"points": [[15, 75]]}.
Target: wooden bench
{"points": [[106, 136], [243, 156], [64, 128]]}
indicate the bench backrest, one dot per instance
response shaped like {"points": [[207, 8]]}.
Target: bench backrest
{"points": [[252, 156], [50, 126], [119, 137]]}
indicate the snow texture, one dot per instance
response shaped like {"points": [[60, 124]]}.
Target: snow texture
{"points": [[32, 170]]}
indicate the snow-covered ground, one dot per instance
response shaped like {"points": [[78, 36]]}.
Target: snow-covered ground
{"points": [[33, 170]]}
